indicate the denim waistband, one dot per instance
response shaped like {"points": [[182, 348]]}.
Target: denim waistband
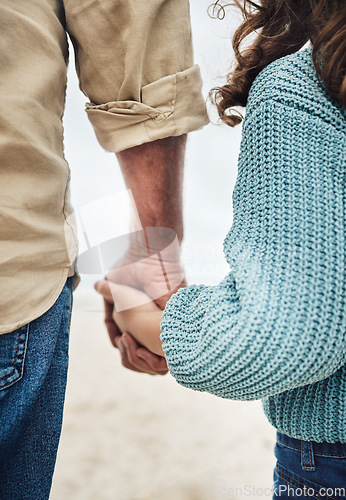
{"points": [[337, 450]]}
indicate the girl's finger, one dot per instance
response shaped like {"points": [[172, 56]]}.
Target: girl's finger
{"points": [[124, 297]]}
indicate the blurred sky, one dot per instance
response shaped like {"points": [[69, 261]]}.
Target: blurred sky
{"points": [[210, 165]]}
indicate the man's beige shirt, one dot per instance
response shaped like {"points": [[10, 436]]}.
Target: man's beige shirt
{"points": [[135, 65]]}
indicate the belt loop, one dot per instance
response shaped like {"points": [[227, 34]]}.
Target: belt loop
{"points": [[307, 456]]}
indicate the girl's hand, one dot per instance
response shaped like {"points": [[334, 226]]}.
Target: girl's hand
{"points": [[142, 322]]}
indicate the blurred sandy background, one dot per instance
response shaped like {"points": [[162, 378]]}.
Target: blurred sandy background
{"points": [[128, 436]]}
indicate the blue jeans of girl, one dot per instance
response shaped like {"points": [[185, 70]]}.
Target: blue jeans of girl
{"points": [[33, 371], [309, 470]]}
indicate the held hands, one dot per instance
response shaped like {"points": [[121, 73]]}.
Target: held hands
{"points": [[135, 293], [142, 321]]}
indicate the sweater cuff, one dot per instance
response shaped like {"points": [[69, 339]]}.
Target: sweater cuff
{"points": [[171, 106], [182, 321]]}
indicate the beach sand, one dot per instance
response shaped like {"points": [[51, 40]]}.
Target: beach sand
{"points": [[129, 436]]}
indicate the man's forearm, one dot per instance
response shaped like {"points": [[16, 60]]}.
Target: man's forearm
{"points": [[154, 173]]}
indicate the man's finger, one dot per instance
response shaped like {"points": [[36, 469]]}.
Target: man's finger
{"points": [[162, 301], [156, 363], [113, 330], [124, 359], [131, 347], [131, 364], [103, 288]]}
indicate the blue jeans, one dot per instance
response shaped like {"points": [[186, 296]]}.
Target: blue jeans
{"points": [[33, 371], [309, 470]]}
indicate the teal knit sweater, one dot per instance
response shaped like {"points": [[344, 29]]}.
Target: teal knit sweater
{"points": [[275, 327]]}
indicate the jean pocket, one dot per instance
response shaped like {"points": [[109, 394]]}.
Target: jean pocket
{"points": [[12, 356], [287, 484]]}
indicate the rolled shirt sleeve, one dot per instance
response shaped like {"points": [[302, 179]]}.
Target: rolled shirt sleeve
{"points": [[135, 64]]}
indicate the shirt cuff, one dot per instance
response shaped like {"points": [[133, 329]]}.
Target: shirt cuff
{"points": [[171, 106]]}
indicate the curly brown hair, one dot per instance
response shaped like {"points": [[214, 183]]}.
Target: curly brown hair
{"points": [[282, 27]]}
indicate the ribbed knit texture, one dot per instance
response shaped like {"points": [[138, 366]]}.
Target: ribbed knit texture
{"points": [[275, 327]]}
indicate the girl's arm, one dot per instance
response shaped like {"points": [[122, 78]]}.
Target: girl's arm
{"points": [[277, 321]]}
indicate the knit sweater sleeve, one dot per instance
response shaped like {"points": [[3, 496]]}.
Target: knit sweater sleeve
{"points": [[277, 321]]}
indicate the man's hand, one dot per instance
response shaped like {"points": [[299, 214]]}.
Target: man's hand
{"points": [[152, 265], [154, 173]]}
